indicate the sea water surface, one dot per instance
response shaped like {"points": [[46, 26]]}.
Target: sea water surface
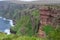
{"points": [[5, 25]]}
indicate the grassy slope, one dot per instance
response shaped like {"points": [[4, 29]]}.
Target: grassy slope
{"points": [[15, 37]]}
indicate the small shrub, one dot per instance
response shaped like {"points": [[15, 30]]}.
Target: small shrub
{"points": [[54, 35], [48, 28]]}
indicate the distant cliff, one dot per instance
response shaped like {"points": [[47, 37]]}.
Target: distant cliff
{"points": [[11, 10]]}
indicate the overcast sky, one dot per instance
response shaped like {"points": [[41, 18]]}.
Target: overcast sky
{"points": [[20, 0], [0, 0], [36, 0], [40, 1]]}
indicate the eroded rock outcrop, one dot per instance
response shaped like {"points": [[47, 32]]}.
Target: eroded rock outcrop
{"points": [[49, 15]]}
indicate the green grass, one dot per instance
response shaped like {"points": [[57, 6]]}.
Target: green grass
{"points": [[16, 37]]}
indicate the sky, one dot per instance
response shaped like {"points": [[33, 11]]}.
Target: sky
{"points": [[19, 0], [36, 0], [39, 1], [1, 0], [28, 0]]}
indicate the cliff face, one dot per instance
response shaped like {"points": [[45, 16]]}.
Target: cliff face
{"points": [[50, 15]]}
